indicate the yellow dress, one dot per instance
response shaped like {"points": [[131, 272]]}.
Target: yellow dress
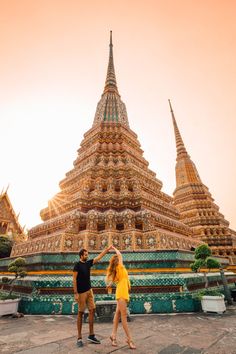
{"points": [[122, 283]]}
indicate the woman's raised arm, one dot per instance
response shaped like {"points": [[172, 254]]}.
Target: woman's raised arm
{"points": [[119, 255]]}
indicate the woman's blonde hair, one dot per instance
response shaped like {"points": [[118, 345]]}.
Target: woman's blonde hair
{"points": [[111, 270]]}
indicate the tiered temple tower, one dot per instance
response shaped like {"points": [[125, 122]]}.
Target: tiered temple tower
{"points": [[196, 205], [110, 195]]}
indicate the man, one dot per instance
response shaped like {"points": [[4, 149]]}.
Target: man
{"points": [[83, 292]]}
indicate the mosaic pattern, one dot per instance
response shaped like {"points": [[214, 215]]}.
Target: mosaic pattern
{"points": [[152, 280], [111, 109], [152, 292], [134, 260], [139, 303]]}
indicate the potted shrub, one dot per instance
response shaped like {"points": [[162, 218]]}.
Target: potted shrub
{"points": [[211, 300], [9, 302]]}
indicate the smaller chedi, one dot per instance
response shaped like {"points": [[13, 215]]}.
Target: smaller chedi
{"points": [[196, 205], [9, 223]]}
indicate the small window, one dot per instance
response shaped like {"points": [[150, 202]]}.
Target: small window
{"points": [[120, 227], [139, 226], [101, 227], [82, 227]]}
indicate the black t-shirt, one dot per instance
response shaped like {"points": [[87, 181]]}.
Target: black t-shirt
{"points": [[83, 276]]}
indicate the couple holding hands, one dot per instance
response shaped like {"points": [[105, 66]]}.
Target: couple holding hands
{"points": [[116, 273]]}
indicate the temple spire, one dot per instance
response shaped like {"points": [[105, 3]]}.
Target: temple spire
{"points": [[110, 84], [110, 108], [185, 169], [181, 150]]}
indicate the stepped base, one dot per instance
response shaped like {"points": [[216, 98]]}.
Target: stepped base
{"points": [[161, 282]]}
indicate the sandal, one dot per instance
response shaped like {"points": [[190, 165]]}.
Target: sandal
{"points": [[130, 344], [113, 341]]}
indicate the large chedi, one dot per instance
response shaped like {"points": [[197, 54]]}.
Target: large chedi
{"points": [[110, 195], [196, 205]]}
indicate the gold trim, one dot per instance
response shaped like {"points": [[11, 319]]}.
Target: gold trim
{"points": [[102, 271], [130, 271]]}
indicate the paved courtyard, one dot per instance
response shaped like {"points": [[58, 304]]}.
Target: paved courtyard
{"points": [[162, 334]]}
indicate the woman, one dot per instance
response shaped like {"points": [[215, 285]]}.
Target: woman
{"points": [[117, 273]]}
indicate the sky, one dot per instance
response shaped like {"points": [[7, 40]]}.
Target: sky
{"points": [[53, 62]]}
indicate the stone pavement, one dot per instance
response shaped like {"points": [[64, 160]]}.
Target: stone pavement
{"points": [[153, 334]]}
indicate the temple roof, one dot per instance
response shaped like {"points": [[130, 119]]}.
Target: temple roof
{"points": [[110, 108], [7, 213]]}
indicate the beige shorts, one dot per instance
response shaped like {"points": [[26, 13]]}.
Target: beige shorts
{"points": [[86, 300]]}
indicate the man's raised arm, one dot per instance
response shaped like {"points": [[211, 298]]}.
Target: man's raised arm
{"points": [[102, 254]]}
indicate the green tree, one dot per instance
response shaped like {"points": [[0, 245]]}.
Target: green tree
{"points": [[204, 261], [5, 246], [17, 266]]}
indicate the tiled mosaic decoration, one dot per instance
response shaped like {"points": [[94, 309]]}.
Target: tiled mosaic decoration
{"points": [[160, 281]]}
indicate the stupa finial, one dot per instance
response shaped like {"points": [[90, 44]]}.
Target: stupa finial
{"points": [[111, 38], [110, 108], [181, 150], [110, 84]]}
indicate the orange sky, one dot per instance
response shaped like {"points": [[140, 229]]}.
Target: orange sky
{"points": [[54, 55]]}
